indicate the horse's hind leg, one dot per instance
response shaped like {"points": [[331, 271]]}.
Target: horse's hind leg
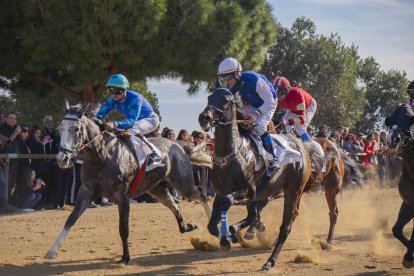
{"points": [[332, 189], [82, 202], [161, 193]]}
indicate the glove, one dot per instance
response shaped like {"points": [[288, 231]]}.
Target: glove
{"points": [[254, 115]]}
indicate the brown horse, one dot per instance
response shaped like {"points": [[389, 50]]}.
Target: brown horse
{"points": [[329, 172], [238, 171], [401, 140]]}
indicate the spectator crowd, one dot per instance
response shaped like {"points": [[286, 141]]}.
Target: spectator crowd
{"points": [[38, 184]]}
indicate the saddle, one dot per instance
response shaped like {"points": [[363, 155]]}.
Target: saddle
{"points": [[283, 152]]}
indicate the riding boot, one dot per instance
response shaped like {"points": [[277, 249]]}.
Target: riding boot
{"points": [[268, 145], [305, 137], [153, 158]]}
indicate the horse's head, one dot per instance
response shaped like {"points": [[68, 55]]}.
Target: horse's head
{"points": [[401, 126], [72, 135], [219, 109]]}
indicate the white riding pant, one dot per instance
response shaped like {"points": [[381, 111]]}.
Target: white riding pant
{"points": [[144, 126], [263, 119], [147, 125], [309, 113]]}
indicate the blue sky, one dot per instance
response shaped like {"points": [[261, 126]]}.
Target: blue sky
{"points": [[380, 28]]}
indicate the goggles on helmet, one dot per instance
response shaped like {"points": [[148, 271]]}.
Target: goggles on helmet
{"points": [[283, 90], [227, 76], [115, 90]]}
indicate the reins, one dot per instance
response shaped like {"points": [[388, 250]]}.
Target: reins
{"points": [[73, 153]]}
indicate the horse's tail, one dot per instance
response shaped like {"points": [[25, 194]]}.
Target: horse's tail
{"points": [[353, 174], [198, 154]]}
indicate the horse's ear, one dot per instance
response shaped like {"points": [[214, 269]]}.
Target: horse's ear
{"points": [[387, 121], [66, 105]]}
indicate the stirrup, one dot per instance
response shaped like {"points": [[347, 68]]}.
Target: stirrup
{"points": [[272, 167]]}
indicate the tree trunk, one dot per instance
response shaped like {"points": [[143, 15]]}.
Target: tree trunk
{"points": [[93, 95]]}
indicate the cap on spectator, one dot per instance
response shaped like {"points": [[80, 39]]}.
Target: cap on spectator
{"points": [[362, 135], [323, 126]]}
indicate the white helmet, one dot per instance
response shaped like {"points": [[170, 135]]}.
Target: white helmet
{"points": [[229, 65]]}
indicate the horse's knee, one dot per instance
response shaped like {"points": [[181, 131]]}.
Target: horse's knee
{"points": [[397, 231]]}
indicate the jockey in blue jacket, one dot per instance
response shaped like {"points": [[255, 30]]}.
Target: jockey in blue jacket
{"points": [[258, 95], [140, 117]]}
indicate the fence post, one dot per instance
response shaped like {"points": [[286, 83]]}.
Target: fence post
{"points": [[6, 176]]}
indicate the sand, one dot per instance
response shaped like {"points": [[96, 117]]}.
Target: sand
{"points": [[363, 242]]}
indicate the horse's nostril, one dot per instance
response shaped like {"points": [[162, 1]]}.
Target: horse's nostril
{"points": [[207, 118]]}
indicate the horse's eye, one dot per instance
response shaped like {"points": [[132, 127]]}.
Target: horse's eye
{"points": [[76, 129]]}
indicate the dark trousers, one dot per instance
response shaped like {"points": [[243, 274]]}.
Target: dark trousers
{"points": [[31, 200]]}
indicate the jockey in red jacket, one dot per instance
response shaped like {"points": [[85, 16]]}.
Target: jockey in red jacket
{"points": [[300, 107]]}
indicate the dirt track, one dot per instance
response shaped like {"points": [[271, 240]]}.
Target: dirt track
{"points": [[363, 243]]}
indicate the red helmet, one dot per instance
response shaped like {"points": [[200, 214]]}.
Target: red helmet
{"points": [[281, 82]]}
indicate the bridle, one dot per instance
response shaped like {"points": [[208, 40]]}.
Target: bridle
{"points": [[219, 121], [74, 152], [405, 139]]}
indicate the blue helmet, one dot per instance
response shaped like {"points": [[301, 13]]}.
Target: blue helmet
{"points": [[119, 81]]}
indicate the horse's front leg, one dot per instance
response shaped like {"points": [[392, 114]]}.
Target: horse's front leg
{"points": [[248, 221], [83, 201], [405, 216], [221, 207], [256, 224], [215, 217], [122, 201]]}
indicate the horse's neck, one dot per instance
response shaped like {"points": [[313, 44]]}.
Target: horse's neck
{"points": [[227, 139], [94, 138]]}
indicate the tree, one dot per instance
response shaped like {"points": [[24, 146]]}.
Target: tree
{"points": [[322, 65], [74, 46], [383, 91], [31, 106]]}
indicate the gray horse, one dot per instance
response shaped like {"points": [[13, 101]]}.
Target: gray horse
{"points": [[109, 168]]}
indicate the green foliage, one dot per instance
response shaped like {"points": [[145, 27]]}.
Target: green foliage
{"points": [[383, 91], [333, 72], [74, 46], [31, 107]]}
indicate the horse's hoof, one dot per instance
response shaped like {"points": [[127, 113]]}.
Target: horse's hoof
{"points": [[408, 261], [249, 235], [267, 266], [235, 238], [260, 226], [326, 245], [50, 255], [117, 265], [191, 227], [225, 244]]}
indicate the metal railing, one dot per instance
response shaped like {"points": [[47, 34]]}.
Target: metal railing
{"points": [[8, 156]]}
